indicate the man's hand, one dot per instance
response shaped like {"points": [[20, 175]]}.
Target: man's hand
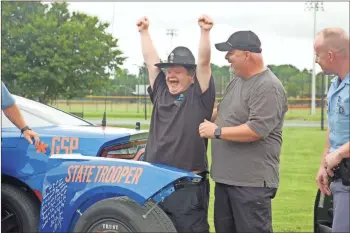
{"points": [[205, 22], [29, 134], [331, 161], [322, 181], [207, 129], [142, 24]]}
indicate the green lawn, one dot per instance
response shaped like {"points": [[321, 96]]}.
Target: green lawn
{"points": [[304, 114], [117, 110], [293, 204]]}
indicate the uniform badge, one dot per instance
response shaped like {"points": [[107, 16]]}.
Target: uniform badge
{"points": [[339, 105], [171, 58]]}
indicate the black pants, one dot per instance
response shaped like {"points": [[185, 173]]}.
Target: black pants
{"points": [[242, 209], [188, 208]]}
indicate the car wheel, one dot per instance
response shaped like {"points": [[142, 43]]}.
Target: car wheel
{"points": [[121, 214], [19, 211]]}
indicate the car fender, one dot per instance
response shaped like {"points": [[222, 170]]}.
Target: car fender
{"points": [[74, 182]]}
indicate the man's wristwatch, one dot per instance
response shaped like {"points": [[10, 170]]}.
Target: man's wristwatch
{"points": [[25, 128], [217, 132]]}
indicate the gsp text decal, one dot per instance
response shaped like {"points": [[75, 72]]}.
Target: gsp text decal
{"points": [[103, 174], [65, 145]]}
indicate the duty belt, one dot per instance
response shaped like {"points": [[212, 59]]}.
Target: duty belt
{"points": [[336, 172], [342, 171]]}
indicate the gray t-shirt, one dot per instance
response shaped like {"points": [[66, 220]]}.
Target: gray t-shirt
{"points": [[174, 131], [259, 101]]}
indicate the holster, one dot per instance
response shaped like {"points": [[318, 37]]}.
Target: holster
{"points": [[342, 171]]}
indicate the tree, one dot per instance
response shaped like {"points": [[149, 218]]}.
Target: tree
{"points": [[48, 52], [293, 88], [143, 75], [221, 77], [124, 83]]}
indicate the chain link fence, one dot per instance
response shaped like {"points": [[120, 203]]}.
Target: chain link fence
{"points": [[141, 107]]}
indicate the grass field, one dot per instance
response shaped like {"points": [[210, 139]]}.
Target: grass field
{"points": [[293, 204], [117, 110]]}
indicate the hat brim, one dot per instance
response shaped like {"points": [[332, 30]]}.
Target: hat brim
{"points": [[167, 65], [223, 47]]}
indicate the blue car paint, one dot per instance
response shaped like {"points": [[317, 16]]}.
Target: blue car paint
{"points": [[21, 160], [64, 201]]}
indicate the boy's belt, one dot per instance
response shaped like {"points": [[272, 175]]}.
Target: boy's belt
{"points": [[204, 175]]}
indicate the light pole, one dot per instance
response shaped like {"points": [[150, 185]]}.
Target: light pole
{"points": [[322, 102], [315, 6], [172, 33], [145, 96], [104, 118], [138, 87]]}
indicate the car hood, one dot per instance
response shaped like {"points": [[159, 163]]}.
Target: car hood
{"points": [[100, 130], [85, 140], [90, 131]]}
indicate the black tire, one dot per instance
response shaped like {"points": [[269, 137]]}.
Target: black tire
{"points": [[20, 212], [121, 214]]}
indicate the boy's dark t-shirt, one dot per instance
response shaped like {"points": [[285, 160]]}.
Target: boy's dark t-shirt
{"points": [[174, 131]]}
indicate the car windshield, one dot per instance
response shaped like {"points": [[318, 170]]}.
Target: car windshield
{"points": [[49, 113]]}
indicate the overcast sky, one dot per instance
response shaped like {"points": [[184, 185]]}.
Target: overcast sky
{"points": [[285, 29]]}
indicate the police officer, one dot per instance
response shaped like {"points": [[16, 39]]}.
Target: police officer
{"points": [[12, 112], [182, 96], [332, 54]]}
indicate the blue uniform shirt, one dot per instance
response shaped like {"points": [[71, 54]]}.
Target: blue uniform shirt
{"points": [[339, 112], [7, 99]]}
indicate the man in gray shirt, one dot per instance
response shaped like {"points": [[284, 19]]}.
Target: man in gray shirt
{"points": [[182, 97], [246, 139]]}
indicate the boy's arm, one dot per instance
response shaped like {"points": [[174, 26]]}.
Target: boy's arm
{"points": [[203, 66], [149, 52]]}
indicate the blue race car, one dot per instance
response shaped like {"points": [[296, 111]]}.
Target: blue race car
{"points": [[24, 166]]}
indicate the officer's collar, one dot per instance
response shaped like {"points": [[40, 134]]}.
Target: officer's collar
{"points": [[346, 80]]}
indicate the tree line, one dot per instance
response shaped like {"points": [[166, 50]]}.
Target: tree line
{"points": [[50, 53]]}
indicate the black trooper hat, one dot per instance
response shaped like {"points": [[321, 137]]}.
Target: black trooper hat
{"points": [[180, 56], [241, 40]]}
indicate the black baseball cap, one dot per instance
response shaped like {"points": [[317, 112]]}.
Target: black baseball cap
{"points": [[180, 56], [241, 40]]}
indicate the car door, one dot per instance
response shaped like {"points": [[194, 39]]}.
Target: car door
{"points": [[19, 158]]}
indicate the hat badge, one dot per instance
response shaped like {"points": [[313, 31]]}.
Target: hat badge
{"points": [[171, 58]]}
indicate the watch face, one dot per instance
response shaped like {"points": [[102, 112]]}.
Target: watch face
{"points": [[217, 132]]}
